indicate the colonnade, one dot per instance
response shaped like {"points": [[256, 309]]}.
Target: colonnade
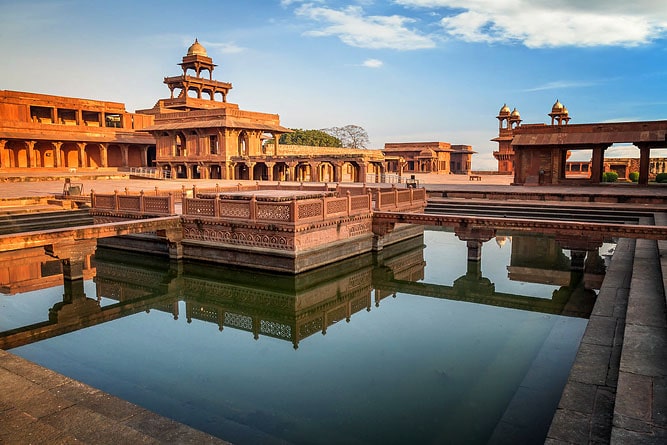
{"points": [[57, 154]]}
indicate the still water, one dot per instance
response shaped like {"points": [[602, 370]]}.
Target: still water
{"points": [[417, 345]]}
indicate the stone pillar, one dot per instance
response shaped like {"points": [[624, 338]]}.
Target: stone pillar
{"points": [[474, 250], [363, 169], [31, 153], [57, 161], [474, 238], [269, 170], [597, 164], [644, 161], [144, 156], [124, 151], [3, 161], [338, 172], [251, 167], [103, 154], [81, 154]]}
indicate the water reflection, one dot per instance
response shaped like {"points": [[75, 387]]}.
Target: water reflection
{"points": [[403, 368]]}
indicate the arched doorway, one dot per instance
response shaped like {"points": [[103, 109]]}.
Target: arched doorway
{"points": [[241, 171], [215, 172], [44, 155], [243, 143], [349, 172], [302, 172], [114, 156], [18, 153], [92, 156], [326, 172], [260, 172], [281, 172], [69, 155]]}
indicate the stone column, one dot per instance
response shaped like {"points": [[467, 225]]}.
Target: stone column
{"points": [[81, 154], [474, 238], [31, 153], [58, 158], [269, 170], [144, 156], [103, 154], [251, 166], [363, 168], [597, 164], [124, 151], [3, 161], [644, 161]]}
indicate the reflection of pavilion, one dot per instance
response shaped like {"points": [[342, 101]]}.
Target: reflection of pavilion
{"points": [[289, 307]]}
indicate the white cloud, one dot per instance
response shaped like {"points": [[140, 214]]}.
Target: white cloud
{"points": [[224, 48], [372, 63], [545, 23], [352, 27]]}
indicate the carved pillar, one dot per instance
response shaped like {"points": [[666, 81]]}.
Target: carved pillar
{"points": [[81, 158], [363, 169], [269, 170], [338, 172], [251, 168], [314, 172], [124, 152], [57, 161], [31, 153], [144, 156], [474, 238], [103, 155], [73, 255]]}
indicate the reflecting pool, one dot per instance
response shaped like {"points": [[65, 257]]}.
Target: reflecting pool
{"points": [[414, 345]]}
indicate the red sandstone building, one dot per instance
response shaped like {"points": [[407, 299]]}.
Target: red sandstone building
{"points": [[195, 133], [538, 153], [428, 157], [47, 132]]}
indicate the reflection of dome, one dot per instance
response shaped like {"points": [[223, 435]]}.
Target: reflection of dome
{"points": [[515, 113], [504, 110], [558, 107], [196, 49], [502, 240]]}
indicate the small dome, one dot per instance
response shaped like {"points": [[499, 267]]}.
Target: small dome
{"points": [[558, 107], [565, 111], [196, 49], [515, 113], [504, 110]]}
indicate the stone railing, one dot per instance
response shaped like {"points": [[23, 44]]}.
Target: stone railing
{"points": [[396, 199], [139, 203], [277, 209]]}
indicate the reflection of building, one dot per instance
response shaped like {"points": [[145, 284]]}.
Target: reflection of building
{"points": [[540, 152], [31, 269], [538, 259], [48, 132], [428, 157]]}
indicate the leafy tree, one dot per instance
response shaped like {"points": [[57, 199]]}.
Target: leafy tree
{"points": [[351, 136], [317, 138]]}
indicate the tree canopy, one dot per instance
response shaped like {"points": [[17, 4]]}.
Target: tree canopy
{"points": [[351, 136], [317, 138]]}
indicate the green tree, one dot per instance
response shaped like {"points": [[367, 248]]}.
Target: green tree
{"points": [[317, 138]]}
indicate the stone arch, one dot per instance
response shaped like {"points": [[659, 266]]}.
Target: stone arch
{"points": [[281, 171], [326, 172], [114, 156], [18, 153], [45, 155], [69, 155], [303, 172], [243, 143], [92, 156], [349, 172], [180, 145], [260, 172], [241, 171]]}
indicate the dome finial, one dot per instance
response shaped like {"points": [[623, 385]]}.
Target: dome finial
{"points": [[197, 49]]}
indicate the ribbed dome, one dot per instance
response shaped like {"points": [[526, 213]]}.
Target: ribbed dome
{"points": [[196, 49], [504, 110], [558, 107]]}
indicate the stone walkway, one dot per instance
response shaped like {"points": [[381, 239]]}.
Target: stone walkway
{"points": [[617, 388], [41, 406]]}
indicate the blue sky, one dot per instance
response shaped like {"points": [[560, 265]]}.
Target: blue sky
{"points": [[405, 70]]}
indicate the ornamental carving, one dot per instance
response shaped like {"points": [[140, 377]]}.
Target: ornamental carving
{"points": [[279, 212], [236, 237], [359, 229], [309, 210]]}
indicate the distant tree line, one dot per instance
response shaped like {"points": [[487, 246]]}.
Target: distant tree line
{"points": [[349, 136]]}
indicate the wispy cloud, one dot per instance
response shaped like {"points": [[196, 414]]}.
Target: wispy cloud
{"points": [[224, 47], [354, 28], [372, 63], [559, 85], [544, 23]]}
